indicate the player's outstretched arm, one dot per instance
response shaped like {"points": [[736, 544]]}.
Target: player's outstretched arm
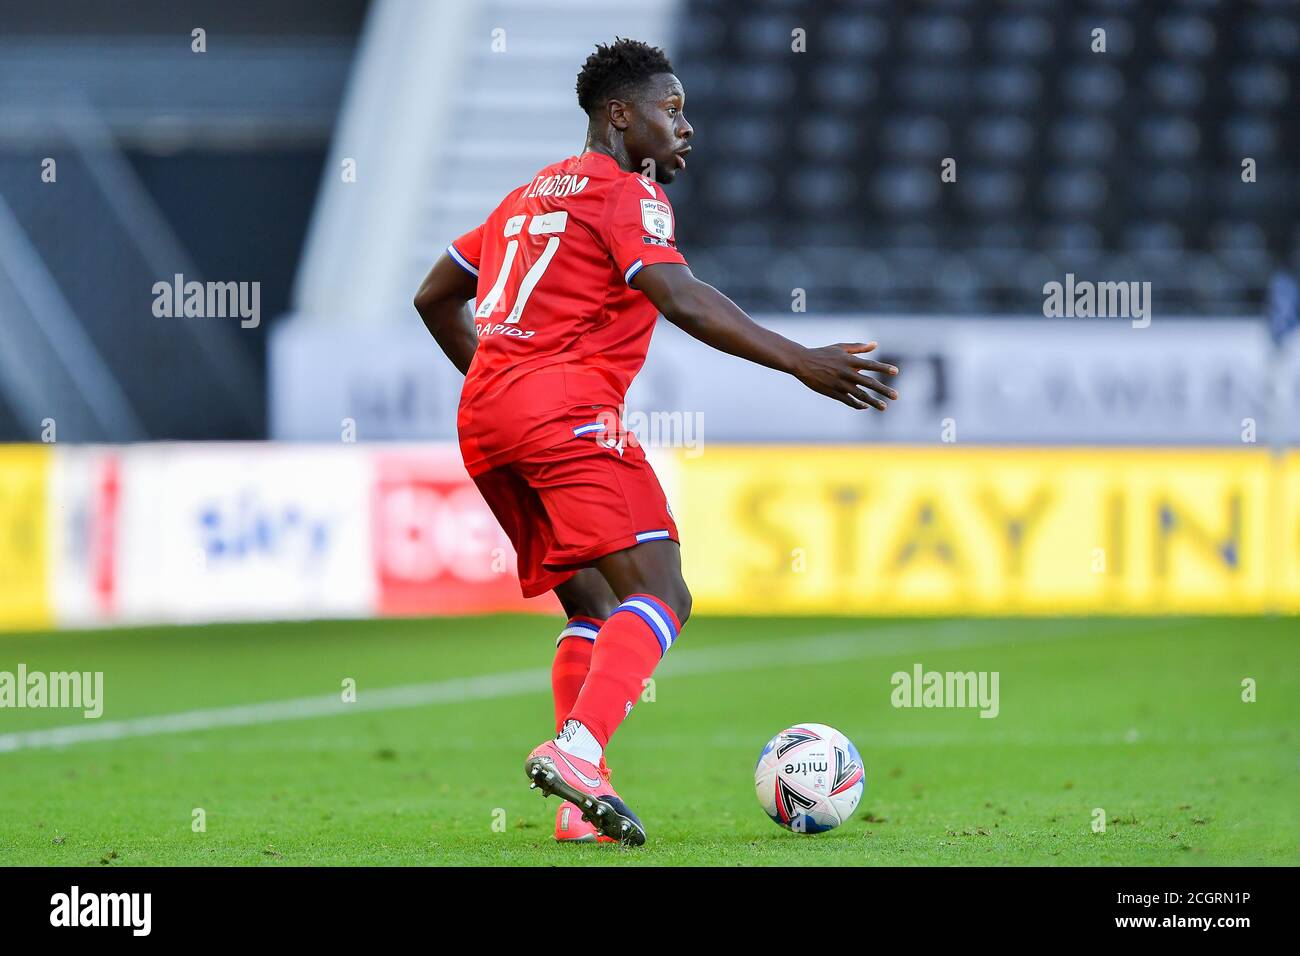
{"points": [[702, 311], [441, 303]]}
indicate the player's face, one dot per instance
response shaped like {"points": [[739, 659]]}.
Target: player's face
{"points": [[658, 130]]}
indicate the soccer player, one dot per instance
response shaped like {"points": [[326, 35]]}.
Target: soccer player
{"points": [[569, 274]]}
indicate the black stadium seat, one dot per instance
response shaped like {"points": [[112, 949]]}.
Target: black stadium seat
{"points": [[1127, 161]]}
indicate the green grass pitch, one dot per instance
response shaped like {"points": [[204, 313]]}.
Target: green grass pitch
{"points": [[1142, 719]]}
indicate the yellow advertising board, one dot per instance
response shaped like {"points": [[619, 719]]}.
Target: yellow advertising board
{"points": [[24, 552], [1286, 532], [885, 530], [897, 530]]}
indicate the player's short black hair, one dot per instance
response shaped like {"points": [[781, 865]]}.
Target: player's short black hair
{"points": [[616, 70]]}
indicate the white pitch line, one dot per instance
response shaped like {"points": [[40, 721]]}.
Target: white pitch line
{"points": [[755, 655], [244, 715]]}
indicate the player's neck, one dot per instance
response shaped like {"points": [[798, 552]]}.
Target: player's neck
{"points": [[615, 151]]}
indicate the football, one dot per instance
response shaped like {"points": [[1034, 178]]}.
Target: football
{"points": [[809, 778]]}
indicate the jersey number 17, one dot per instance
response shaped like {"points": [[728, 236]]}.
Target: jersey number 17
{"points": [[549, 224]]}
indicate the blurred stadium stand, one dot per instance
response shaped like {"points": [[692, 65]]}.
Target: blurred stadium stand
{"points": [[1021, 447], [817, 171], [167, 162], [821, 170], [451, 106]]}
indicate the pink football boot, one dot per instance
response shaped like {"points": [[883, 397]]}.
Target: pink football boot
{"points": [[571, 828], [581, 783]]}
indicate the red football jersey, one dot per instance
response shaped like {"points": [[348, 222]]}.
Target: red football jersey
{"points": [[561, 333]]}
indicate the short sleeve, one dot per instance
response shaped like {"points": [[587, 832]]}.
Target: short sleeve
{"points": [[468, 250], [639, 228]]}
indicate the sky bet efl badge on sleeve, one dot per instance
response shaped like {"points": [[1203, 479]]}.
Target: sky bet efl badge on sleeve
{"points": [[657, 217]]}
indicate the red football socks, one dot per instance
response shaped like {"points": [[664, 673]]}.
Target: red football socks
{"points": [[632, 642], [572, 661]]}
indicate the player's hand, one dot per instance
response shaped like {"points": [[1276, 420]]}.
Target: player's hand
{"points": [[836, 372]]}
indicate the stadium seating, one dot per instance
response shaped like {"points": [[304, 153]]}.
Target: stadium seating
{"points": [[821, 169]]}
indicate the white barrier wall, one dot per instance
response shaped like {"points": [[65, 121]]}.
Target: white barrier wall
{"points": [[987, 380]]}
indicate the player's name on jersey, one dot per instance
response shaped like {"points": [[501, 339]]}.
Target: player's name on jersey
{"points": [[557, 186]]}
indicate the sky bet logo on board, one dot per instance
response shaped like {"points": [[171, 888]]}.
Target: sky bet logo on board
{"points": [[250, 528]]}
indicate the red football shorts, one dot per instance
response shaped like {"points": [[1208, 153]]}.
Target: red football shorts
{"points": [[565, 506]]}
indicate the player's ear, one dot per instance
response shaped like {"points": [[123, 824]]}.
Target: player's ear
{"points": [[617, 111]]}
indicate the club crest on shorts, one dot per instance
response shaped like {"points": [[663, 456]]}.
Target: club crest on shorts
{"points": [[657, 217], [611, 443]]}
